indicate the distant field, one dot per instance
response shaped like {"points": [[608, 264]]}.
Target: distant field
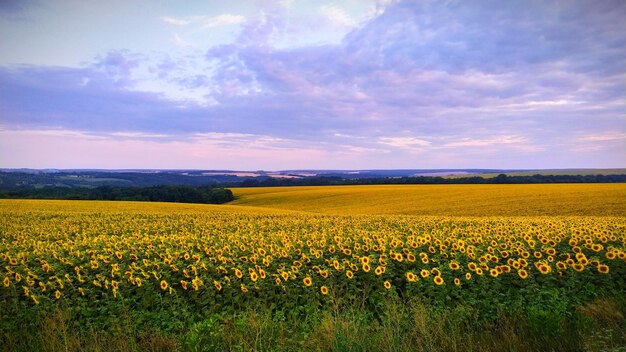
{"points": [[447, 200], [557, 172]]}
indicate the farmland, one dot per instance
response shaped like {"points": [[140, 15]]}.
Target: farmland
{"points": [[489, 267]]}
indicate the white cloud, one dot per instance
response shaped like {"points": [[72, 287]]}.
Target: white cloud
{"points": [[404, 142], [205, 21], [337, 15], [603, 137], [469, 142]]}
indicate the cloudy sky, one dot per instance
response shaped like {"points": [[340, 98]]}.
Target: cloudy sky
{"points": [[312, 84]]}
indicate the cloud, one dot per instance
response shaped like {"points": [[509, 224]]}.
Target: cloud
{"points": [[404, 142], [604, 137], [205, 21], [504, 79], [337, 15]]}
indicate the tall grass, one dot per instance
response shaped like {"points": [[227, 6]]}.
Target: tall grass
{"points": [[400, 326]]}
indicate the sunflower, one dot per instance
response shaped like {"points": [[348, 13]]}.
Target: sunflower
{"points": [[425, 273], [387, 284], [578, 267], [379, 270], [6, 281], [604, 269], [544, 269], [457, 282], [366, 268], [238, 273], [183, 283], [244, 289], [522, 273], [324, 290], [217, 285], [163, 285], [307, 281], [472, 266], [468, 276], [610, 255], [454, 265], [494, 272], [57, 294], [411, 277], [349, 274], [138, 281], [254, 276], [438, 280]]}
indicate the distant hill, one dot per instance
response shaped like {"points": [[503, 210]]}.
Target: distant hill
{"points": [[35, 179]]}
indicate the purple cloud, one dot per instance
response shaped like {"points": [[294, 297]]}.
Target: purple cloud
{"points": [[491, 77]]}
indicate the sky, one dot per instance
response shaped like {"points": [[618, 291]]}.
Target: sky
{"points": [[312, 84]]}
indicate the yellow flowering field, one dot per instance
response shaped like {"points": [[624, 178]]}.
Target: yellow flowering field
{"points": [[449, 200], [176, 263]]}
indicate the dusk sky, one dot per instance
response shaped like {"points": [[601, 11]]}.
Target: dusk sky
{"points": [[312, 84]]}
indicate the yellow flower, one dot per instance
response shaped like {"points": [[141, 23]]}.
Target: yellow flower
{"points": [[349, 274], [6, 281], [163, 285], [324, 290], [218, 285], [307, 281], [411, 277], [604, 269], [522, 273], [387, 284], [438, 280]]}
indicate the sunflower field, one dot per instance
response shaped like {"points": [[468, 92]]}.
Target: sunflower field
{"points": [[167, 268]]}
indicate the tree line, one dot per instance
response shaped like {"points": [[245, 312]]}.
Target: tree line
{"points": [[179, 194]]}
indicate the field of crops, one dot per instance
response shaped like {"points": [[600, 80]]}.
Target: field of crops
{"points": [[180, 270]]}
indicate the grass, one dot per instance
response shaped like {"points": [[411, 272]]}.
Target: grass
{"points": [[402, 326]]}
